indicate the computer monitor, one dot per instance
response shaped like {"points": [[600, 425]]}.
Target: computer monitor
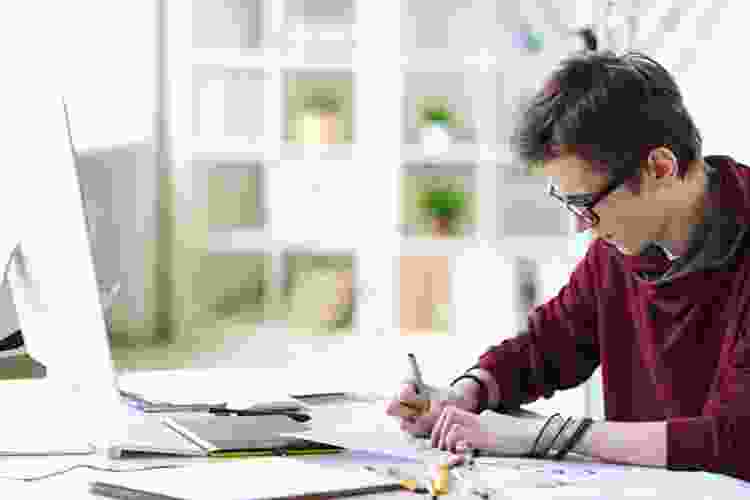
{"points": [[52, 276]]}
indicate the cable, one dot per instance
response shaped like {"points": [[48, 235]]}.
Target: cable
{"points": [[88, 466]]}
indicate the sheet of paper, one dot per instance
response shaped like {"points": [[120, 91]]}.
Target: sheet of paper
{"points": [[38, 427], [580, 477], [366, 428], [204, 387], [245, 479]]}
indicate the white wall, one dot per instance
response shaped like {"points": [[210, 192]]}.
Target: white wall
{"points": [[119, 184], [110, 70], [715, 85]]}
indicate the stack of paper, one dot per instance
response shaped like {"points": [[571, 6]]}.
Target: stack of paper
{"points": [[260, 478]]}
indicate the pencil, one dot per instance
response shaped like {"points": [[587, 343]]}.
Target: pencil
{"points": [[419, 385], [409, 483]]}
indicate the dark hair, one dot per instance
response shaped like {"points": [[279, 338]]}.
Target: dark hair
{"points": [[610, 111]]}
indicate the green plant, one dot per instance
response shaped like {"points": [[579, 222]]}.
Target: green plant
{"points": [[535, 168], [437, 113], [443, 202], [322, 103]]}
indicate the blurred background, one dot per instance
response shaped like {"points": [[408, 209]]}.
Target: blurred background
{"points": [[327, 185]]}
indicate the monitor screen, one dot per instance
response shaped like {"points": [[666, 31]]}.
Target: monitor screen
{"points": [[52, 278]]}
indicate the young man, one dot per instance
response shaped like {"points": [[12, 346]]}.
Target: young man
{"points": [[661, 301]]}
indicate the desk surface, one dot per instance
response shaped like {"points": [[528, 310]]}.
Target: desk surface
{"points": [[369, 421]]}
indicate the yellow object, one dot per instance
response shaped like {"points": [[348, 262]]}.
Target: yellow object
{"points": [[440, 484], [409, 484], [420, 407]]}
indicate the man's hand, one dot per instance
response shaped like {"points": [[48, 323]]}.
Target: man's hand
{"points": [[419, 412], [457, 429]]}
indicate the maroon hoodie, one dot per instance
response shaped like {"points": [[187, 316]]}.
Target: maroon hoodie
{"points": [[671, 337]]}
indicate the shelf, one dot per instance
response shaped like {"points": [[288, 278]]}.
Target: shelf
{"points": [[417, 245], [456, 152], [238, 149], [262, 241], [241, 241], [329, 56], [229, 150], [461, 153], [312, 13], [299, 152], [534, 247], [442, 61], [234, 58], [308, 21]]}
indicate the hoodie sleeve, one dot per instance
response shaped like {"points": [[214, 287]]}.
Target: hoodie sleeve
{"points": [[719, 440], [558, 351]]}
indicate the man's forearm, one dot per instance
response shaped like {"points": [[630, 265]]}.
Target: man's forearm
{"points": [[469, 387], [637, 443]]}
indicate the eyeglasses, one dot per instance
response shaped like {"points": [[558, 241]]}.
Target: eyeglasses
{"points": [[582, 205]]}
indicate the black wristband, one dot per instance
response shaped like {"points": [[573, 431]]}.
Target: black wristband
{"points": [[12, 341], [577, 435], [552, 443], [483, 393], [532, 453]]}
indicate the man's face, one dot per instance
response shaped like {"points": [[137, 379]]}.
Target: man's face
{"points": [[626, 220]]}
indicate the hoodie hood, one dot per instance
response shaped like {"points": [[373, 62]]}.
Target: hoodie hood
{"points": [[715, 241]]}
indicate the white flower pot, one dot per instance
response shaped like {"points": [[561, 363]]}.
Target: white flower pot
{"points": [[435, 138], [318, 128]]}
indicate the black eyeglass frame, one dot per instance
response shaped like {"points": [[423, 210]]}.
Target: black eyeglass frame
{"points": [[582, 204]]}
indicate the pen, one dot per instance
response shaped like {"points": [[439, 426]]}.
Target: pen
{"points": [[320, 395], [419, 386], [296, 416]]}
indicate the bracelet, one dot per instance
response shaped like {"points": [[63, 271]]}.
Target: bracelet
{"points": [[552, 443], [538, 436], [577, 435], [483, 393]]}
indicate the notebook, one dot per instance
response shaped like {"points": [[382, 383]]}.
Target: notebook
{"points": [[209, 435], [246, 435], [268, 478]]}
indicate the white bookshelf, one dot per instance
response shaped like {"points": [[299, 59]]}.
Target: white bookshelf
{"points": [[346, 198], [260, 44]]}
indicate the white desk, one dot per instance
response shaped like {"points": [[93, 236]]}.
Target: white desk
{"points": [[370, 419]]}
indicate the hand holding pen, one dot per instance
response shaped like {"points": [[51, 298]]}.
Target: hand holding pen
{"points": [[419, 405]]}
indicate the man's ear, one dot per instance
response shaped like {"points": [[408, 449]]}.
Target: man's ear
{"points": [[661, 162]]}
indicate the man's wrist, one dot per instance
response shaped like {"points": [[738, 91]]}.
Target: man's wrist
{"points": [[468, 392], [493, 391]]}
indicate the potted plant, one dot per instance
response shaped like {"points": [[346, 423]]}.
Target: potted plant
{"points": [[319, 121], [437, 119], [443, 205]]}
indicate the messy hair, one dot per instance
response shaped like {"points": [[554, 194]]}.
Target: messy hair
{"points": [[610, 111]]}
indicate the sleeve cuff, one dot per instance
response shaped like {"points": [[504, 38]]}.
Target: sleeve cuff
{"points": [[493, 395], [689, 443]]}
